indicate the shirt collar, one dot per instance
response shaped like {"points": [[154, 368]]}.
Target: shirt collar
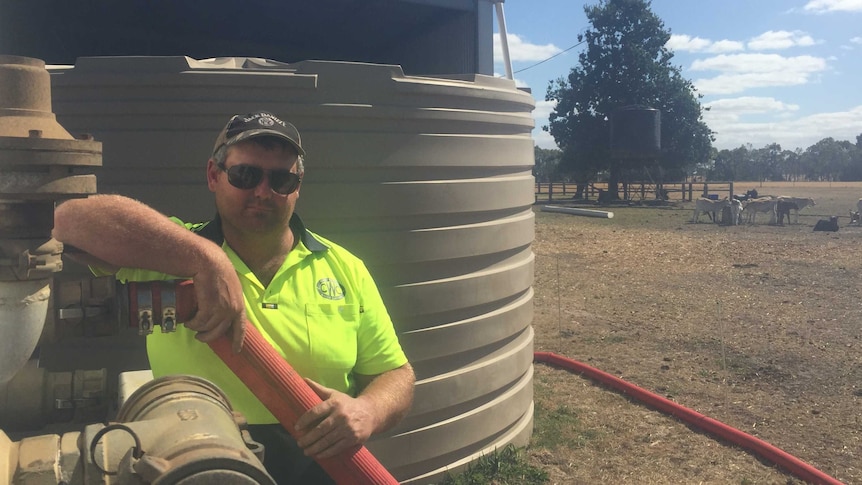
{"points": [[310, 240], [212, 230]]}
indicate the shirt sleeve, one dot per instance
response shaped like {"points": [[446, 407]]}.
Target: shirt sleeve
{"points": [[378, 347]]}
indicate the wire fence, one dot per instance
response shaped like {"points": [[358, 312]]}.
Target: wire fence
{"points": [[680, 191]]}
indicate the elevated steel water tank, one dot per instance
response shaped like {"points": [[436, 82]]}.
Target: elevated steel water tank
{"points": [[428, 179], [635, 132]]}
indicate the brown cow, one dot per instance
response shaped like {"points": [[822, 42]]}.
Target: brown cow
{"points": [[763, 204]]}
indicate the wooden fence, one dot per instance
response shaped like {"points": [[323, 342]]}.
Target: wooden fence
{"points": [[680, 191]]}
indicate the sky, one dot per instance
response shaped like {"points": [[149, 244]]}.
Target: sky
{"points": [[771, 71]]}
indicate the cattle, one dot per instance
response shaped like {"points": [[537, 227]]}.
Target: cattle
{"points": [[783, 208], [856, 216], [762, 204], [750, 194], [709, 206], [735, 212], [827, 225], [801, 203]]}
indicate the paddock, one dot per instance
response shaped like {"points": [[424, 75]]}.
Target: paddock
{"points": [[832, 198], [753, 325]]}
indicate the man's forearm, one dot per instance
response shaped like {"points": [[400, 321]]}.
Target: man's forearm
{"points": [[390, 395], [125, 233]]}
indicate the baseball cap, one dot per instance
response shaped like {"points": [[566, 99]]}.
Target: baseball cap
{"points": [[261, 123]]}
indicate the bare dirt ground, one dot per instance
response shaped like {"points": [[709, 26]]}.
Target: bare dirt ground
{"points": [[756, 326]]}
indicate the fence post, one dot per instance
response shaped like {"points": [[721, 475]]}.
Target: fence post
{"points": [[731, 192]]}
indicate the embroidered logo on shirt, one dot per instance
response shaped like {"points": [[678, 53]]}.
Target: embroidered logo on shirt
{"points": [[330, 289]]}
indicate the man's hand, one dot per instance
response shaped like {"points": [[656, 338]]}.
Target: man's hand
{"points": [[337, 424], [221, 307]]}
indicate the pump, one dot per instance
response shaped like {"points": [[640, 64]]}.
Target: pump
{"points": [[172, 430]]}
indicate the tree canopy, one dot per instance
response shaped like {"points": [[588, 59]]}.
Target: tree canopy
{"points": [[828, 159], [546, 168], [625, 63]]}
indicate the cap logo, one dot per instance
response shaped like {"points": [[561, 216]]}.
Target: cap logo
{"points": [[262, 123], [263, 119]]}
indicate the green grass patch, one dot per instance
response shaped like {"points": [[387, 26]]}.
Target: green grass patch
{"points": [[558, 428], [508, 466]]}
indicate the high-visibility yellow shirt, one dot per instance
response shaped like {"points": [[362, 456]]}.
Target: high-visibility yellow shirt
{"points": [[322, 312]]}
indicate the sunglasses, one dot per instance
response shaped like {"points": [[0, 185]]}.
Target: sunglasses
{"points": [[247, 177]]}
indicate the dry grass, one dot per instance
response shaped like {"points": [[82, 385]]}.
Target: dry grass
{"points": [[757, 326]]}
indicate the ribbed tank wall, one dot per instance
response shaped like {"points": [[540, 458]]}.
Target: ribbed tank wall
{"points": [[427, 179]]}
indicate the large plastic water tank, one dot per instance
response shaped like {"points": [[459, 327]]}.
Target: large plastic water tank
{"points": [[428, 179]]}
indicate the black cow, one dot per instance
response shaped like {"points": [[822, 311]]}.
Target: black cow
{"points": [[827, 225], [751, 194]]}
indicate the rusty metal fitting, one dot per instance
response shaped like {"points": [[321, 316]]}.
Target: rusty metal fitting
{"points": [[40, 164]]}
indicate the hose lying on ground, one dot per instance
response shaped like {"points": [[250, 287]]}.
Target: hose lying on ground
{"points": [[781, 458]]}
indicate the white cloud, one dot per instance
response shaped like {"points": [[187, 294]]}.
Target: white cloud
{"points": [[687, 43], [759, 63], [721, 46], [750, 104], [739, 72], [541, 114], [790, 133], [682, 42], [543, 139], [521, 50], [780, 39], [736, 83], [730, 110], [856, 40], [821, 6]]}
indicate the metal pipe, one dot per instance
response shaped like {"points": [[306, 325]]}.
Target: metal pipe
{"points": [[578, 212], [504, 38], [23, 306], [37, 158]]}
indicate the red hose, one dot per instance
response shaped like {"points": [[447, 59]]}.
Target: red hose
{"points": [[781, 458], [286, 395]]}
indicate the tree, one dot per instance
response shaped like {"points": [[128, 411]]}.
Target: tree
{"points": [[829, 159], [767, 163], [732, 164], [791, 165], [625, 63], [547, 163]]}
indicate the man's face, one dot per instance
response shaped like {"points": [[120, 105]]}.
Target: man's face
{"points": [[257, 210]]}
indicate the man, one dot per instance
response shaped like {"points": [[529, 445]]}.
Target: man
{"points": [[314, 301]]}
